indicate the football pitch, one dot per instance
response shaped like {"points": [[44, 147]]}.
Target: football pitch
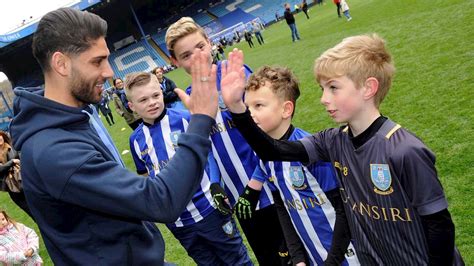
{"points": [[433, 49]]}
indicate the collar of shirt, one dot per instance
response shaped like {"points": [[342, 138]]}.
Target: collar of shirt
{"points": [[363, 137], [288, 133], [158, 119]]}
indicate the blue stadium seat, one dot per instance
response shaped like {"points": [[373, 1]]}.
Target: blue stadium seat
{"points": [[202, 18], [219, 10], [134, 58], [266, 9], [159, 39]]}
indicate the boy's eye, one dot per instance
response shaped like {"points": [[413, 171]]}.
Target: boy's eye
{"points": [[332, 87], [142, 100]]}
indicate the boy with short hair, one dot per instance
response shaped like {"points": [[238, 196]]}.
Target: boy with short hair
{"points": [[394, 202], [311, 193], [235, 158], [209, 237]]}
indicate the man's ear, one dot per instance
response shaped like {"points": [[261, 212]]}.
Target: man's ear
{"points": [[288, 108], [61, 64], [371, 86]]}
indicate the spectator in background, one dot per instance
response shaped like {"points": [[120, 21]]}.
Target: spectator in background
{"points": [[338, 6], [220, 50], [304, 7], [105, 109], [167, 86], [248, 38], [121, 105], [345, 10], [9, 160], [290, 20], [257, 27], [215, 53], [19, 245]]}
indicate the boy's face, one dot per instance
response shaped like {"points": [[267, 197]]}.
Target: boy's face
{"points": [[147, 101], [184, 48], [344, 102], [267, 110]]}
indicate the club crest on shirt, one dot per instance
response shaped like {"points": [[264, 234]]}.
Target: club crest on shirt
{"points": [[228, 229], [350, 252], [297, 177], [174, 138], [381, 178], [221, 103]]}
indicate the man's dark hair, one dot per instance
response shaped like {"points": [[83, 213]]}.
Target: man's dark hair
{"points": [[66, 30]]}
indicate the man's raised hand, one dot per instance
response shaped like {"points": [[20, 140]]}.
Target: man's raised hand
{"points": [[204, 96]]}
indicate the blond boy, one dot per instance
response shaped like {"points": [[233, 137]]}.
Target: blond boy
{"points": [[235, 158], [394, 202]]}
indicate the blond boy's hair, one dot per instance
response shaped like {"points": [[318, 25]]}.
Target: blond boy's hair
{"points": [[136, 79], [359, 58], [281, 80], [181, 28]]}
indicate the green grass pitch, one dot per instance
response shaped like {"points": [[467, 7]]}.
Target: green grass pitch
{"points": [[432, 43]]}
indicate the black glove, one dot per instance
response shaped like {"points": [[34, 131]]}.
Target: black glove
{"points": [[247, 203], [220, 199]]}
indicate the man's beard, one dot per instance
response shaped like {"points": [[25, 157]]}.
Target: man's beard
{"points": [[83, 91]]}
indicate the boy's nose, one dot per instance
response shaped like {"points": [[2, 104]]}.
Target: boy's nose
{"points": [[324, 99]]}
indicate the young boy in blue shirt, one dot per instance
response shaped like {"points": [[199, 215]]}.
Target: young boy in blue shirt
{"points": [[310, 194], [394, 202], [209, 237]]}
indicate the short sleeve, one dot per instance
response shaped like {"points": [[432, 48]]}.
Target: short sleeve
{"points": [[215, 174], [316, 146], [259, 173], [325, 175], [136, 155], [415, 165]]}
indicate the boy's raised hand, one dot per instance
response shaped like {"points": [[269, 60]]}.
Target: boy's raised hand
{"points": [[233, 82], [204, 96]]}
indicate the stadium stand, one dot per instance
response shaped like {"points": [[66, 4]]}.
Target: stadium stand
{"points": [[159, 39], [154, 17], [133, 58], [202, 18], [219, 10]]}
